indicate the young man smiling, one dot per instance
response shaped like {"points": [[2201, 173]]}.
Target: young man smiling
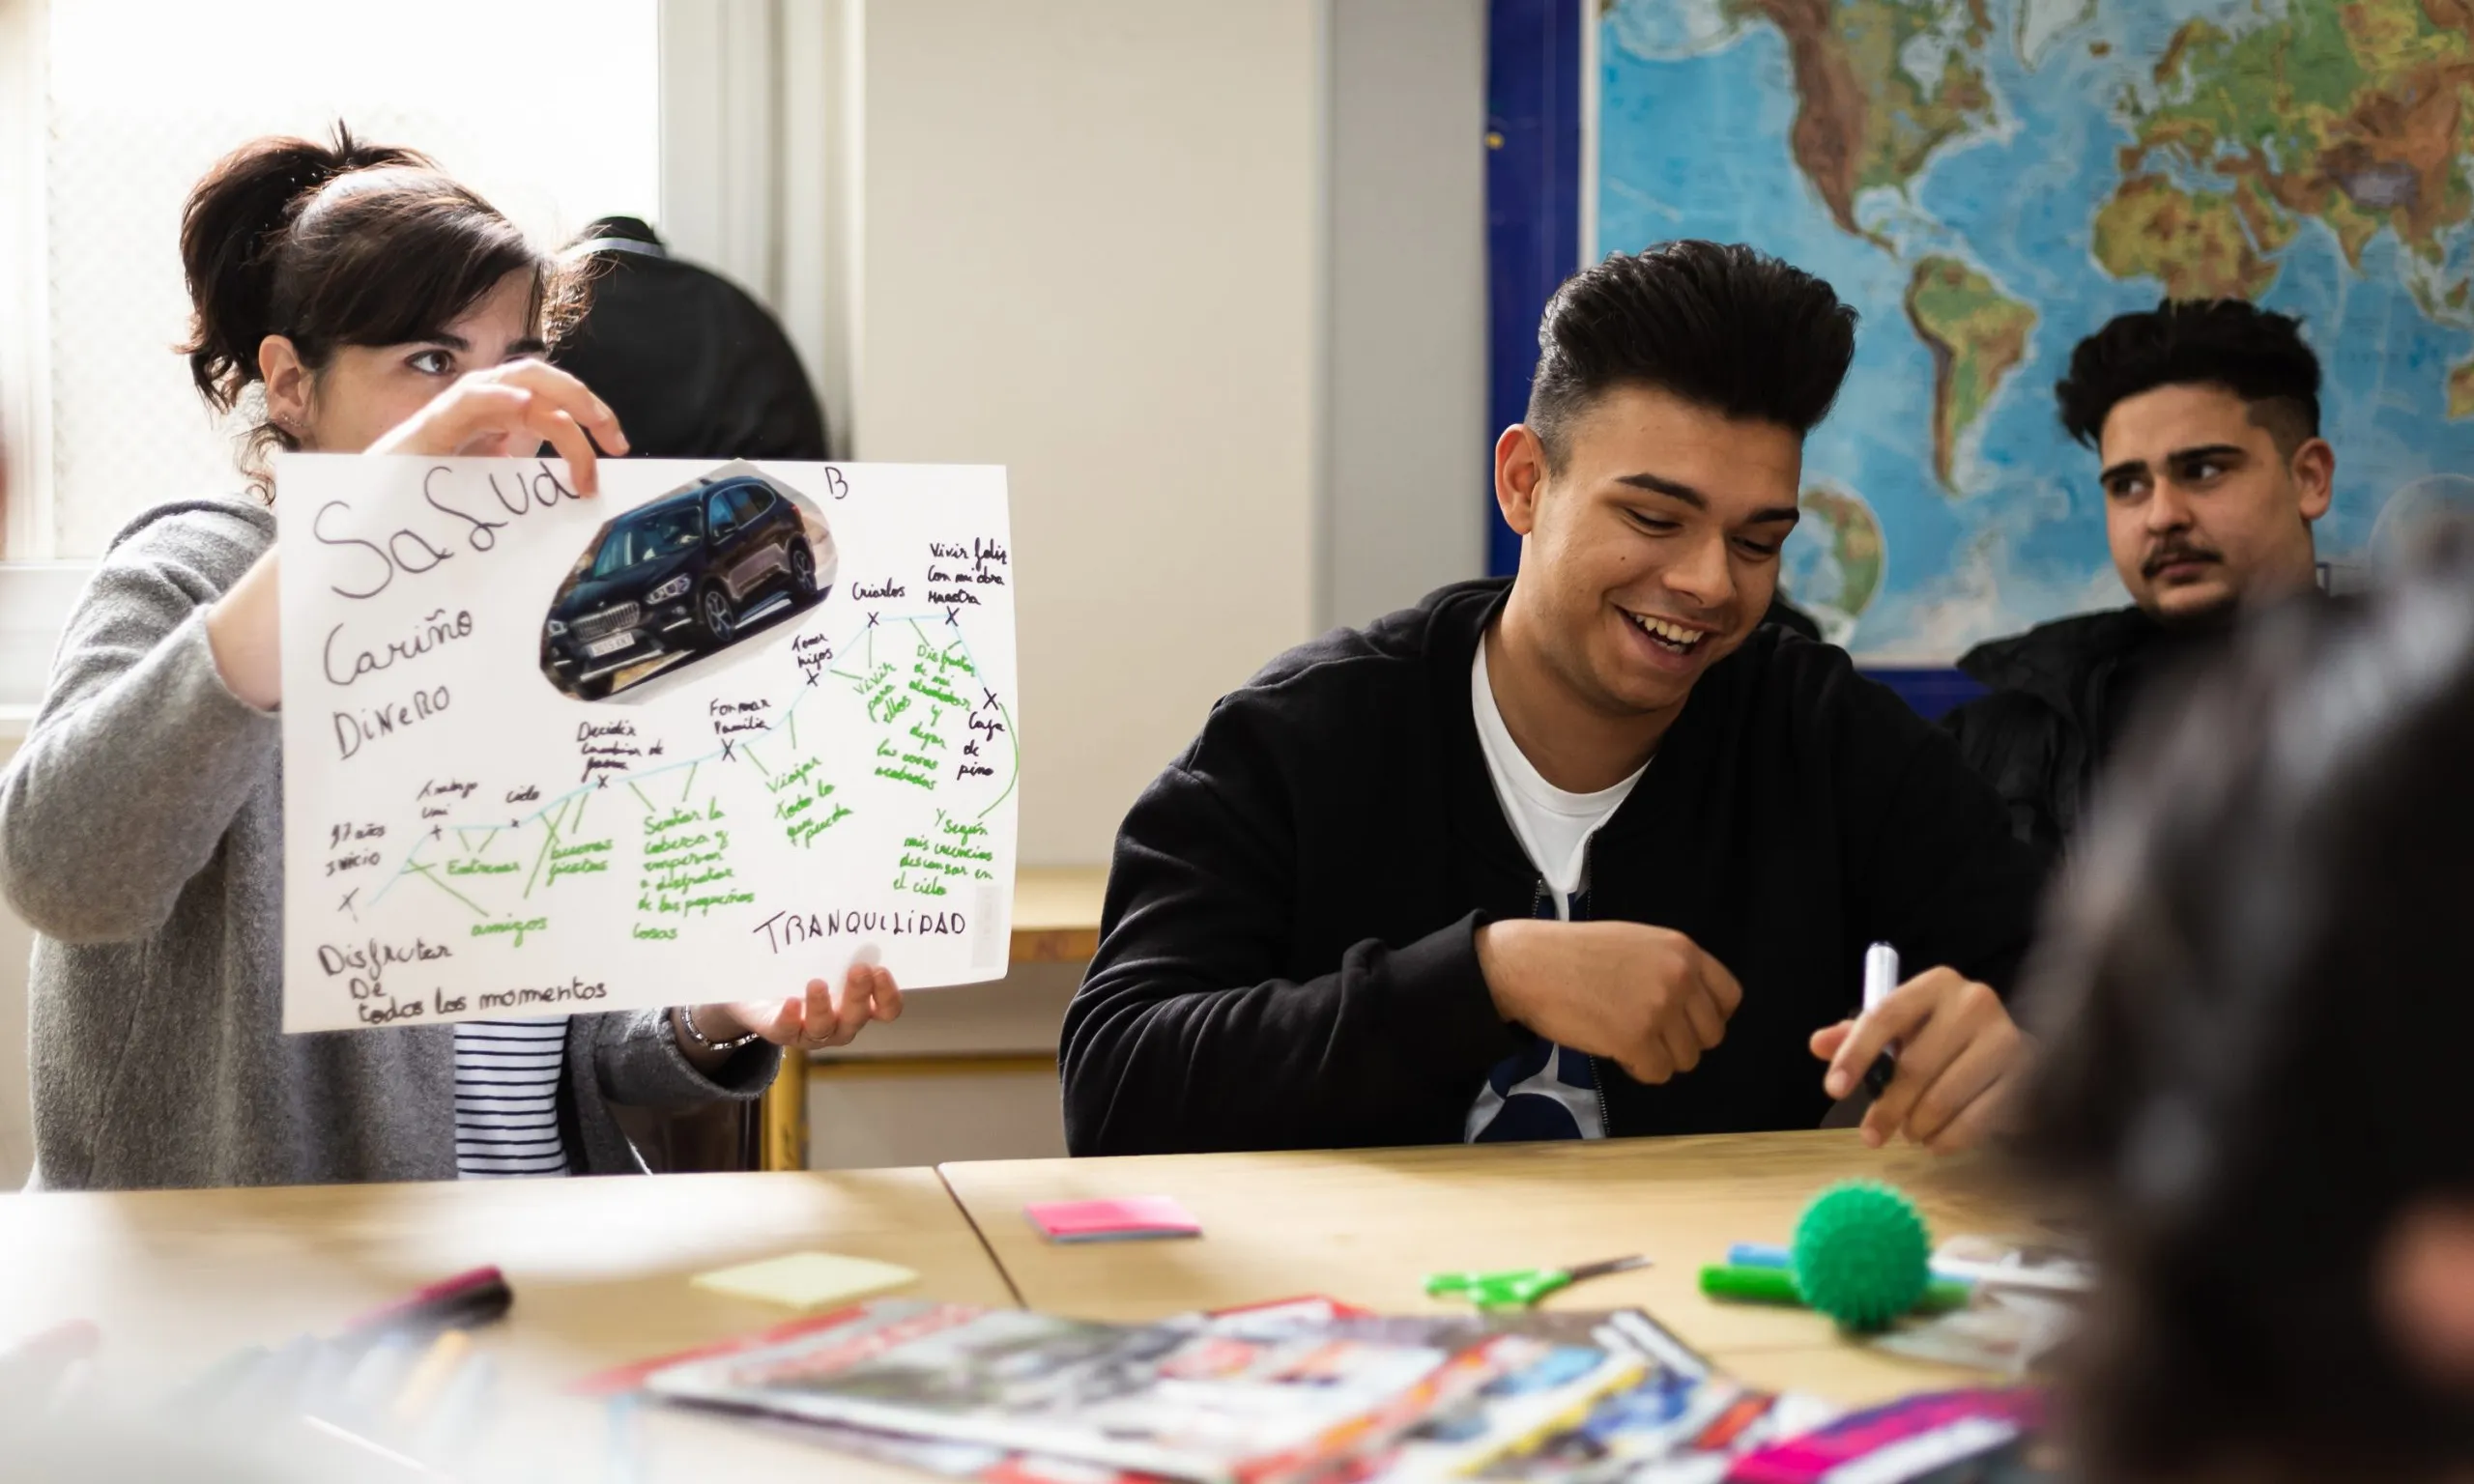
{"points": [[2205, 415], [1587, 853]]}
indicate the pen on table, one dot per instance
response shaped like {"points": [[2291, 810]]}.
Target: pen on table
{"points": [[214, 1386], [1881, 977], [270, 1388], [49, 1365], [75, 1340], [462, 1412], [625, 1458], [429, 1376], [375, 1379], [460, 1302]]}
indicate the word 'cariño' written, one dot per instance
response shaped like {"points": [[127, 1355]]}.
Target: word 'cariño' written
{"points": [[434, 632]]}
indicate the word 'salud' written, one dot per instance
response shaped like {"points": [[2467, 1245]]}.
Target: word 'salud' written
{"points": [[705, 737]]}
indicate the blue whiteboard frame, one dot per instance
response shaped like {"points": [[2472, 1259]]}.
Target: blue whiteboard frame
{"points": [[1533, 206]]}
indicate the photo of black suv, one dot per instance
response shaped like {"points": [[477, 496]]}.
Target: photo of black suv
{"points": [[682, 576]]}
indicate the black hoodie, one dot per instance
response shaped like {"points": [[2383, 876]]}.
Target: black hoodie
{"points": [[2061, 693], [1286, 954]]}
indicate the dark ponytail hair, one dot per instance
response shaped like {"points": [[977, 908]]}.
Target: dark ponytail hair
{"points": [[335, 244]]}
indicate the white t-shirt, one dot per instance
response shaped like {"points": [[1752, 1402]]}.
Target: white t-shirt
{"points": [[1554, 827]]}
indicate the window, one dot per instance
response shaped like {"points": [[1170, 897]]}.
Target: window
{"points": [[748, 502], [550, 108]]}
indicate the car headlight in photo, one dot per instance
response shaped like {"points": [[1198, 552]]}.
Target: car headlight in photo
{"points": [[675, 587], [556, 629]]}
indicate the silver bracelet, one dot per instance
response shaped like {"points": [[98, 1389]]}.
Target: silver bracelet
{"points": [[686, 1018]]}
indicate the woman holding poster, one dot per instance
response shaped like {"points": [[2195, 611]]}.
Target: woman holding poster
{"points": [[382, 308]]}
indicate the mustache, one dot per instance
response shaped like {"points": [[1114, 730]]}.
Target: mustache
{"points": [[2174, 552]]}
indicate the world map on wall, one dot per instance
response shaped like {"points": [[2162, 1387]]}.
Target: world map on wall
{"points": [[1988, 181]]}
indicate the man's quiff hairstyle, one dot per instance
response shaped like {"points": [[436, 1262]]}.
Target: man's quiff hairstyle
{"points": [[2252, 353], [1719, 325]]}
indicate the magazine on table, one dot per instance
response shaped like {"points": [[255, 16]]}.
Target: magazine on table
{"points": [[1175, 1399], [1666, 1429], [1588, 1357]]}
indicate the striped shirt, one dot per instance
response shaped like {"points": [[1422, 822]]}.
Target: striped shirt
{"points": [[507, 1097]]}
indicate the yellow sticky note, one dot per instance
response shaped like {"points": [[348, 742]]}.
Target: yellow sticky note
{"points": [[807, 1280]]}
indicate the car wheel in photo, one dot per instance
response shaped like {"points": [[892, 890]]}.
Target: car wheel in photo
{"points": [[802, 571], [713, 617], [593, 690]]}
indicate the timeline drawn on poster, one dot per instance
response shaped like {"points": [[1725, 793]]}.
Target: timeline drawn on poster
{"points": [[702, 738]]}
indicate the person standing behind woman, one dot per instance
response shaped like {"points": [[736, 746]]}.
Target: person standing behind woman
{"points": [[384, 308]]}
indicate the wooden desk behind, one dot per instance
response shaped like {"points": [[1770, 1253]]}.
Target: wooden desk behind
{"points": [[1370, 1226], [177, 1279], [1056, 913]]}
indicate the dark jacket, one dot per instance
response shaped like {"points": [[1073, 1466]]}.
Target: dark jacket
{"points": [[1286, 954], [693, 367], [2060, 693]]}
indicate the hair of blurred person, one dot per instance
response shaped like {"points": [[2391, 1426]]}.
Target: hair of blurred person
{"points": [[692, 365], [294, 250], [2257, 994]]}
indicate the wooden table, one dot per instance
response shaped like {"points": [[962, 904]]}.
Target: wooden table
{"points": [[1369, 1227], [599, 1267]]}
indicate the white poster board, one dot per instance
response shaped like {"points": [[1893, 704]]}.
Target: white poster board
{"points": [[701, 737]]}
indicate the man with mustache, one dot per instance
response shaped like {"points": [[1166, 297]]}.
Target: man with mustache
{"points": [[2205, 415], [1588, 853]]}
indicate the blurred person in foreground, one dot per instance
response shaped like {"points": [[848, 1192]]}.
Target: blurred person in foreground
{"points": [[2256, 997], [2204, 416]]}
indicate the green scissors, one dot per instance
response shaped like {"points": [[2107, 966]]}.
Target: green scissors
{"points": [[1520, 1287]]}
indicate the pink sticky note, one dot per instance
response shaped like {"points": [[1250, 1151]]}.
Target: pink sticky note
{"points": [[1134, 1220]]}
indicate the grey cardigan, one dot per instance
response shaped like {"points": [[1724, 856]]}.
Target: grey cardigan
{"points": [[141, 834]]}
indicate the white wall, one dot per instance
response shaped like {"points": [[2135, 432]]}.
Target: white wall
{"points": [[1408, 437], [1089, 250]]}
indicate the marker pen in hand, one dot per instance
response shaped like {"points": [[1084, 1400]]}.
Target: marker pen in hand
{"points": [[1881, 977]]}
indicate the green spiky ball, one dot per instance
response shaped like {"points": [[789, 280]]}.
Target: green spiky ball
{"points": [[1861, 1254]]}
